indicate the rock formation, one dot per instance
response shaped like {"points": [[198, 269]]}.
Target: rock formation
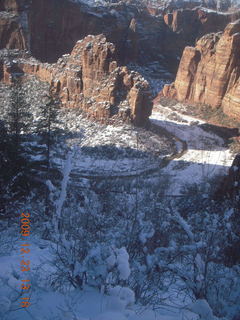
{"points": [[90, 78], [209, 73]]}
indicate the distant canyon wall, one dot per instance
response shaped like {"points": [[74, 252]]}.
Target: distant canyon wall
{"points": [[50, 28]]}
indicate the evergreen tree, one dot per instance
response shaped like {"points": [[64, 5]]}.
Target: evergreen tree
{"points": [[14, 160], [46, 127], [13, 185], [18, 117]]}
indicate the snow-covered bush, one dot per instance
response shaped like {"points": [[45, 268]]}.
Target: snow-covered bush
{"points": [[97, 265], [193, 257], [5, 305]]}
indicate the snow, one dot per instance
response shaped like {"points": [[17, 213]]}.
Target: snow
{"points": [[203, 154], [110, 316], [66, 174], [5, 305], [144, 235], [111, 261], [184, 225], [120, 258], [155, 74], [123, 265], [47, 304], [124, 293], [163, 4], [50, 186], [202, 308], [120, 150]]}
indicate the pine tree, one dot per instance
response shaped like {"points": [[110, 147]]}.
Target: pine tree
{"points": [[46, 127], [47, 124], [14, 160], [13, 185], [18, 117], [4, 167]]}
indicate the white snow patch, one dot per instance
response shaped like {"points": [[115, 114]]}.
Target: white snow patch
{"points": [[202, 308], [123, 263]]}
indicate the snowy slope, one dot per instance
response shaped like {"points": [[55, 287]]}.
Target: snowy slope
{"points": [[205, 156], [47, 304]]}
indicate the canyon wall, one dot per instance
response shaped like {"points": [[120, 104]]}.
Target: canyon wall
{"points": [[188, 25], [50, 28], [209, 73], [54, 26]]}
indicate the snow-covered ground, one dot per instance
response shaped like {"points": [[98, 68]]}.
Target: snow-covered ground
{"points": [[109, 150], [86, 148], [205, 154], [46, 304]]}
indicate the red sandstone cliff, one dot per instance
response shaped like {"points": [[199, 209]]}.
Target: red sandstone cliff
{"points": [[209, 73], [90, 79]]}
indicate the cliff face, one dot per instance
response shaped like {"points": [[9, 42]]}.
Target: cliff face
{"points": [[54, 26], [50, 28], [209, 73], [11, 33], [11, 5], [198, 21], [90, 79], [188, 25]]}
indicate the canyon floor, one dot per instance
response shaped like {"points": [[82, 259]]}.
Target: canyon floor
{"points": [[184, 149]]}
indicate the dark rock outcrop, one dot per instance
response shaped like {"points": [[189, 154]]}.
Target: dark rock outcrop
{"points": [[232, 182]]}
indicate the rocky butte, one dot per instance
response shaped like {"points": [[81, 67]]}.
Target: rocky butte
{"points": [[209, 73], [90, 78]]}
